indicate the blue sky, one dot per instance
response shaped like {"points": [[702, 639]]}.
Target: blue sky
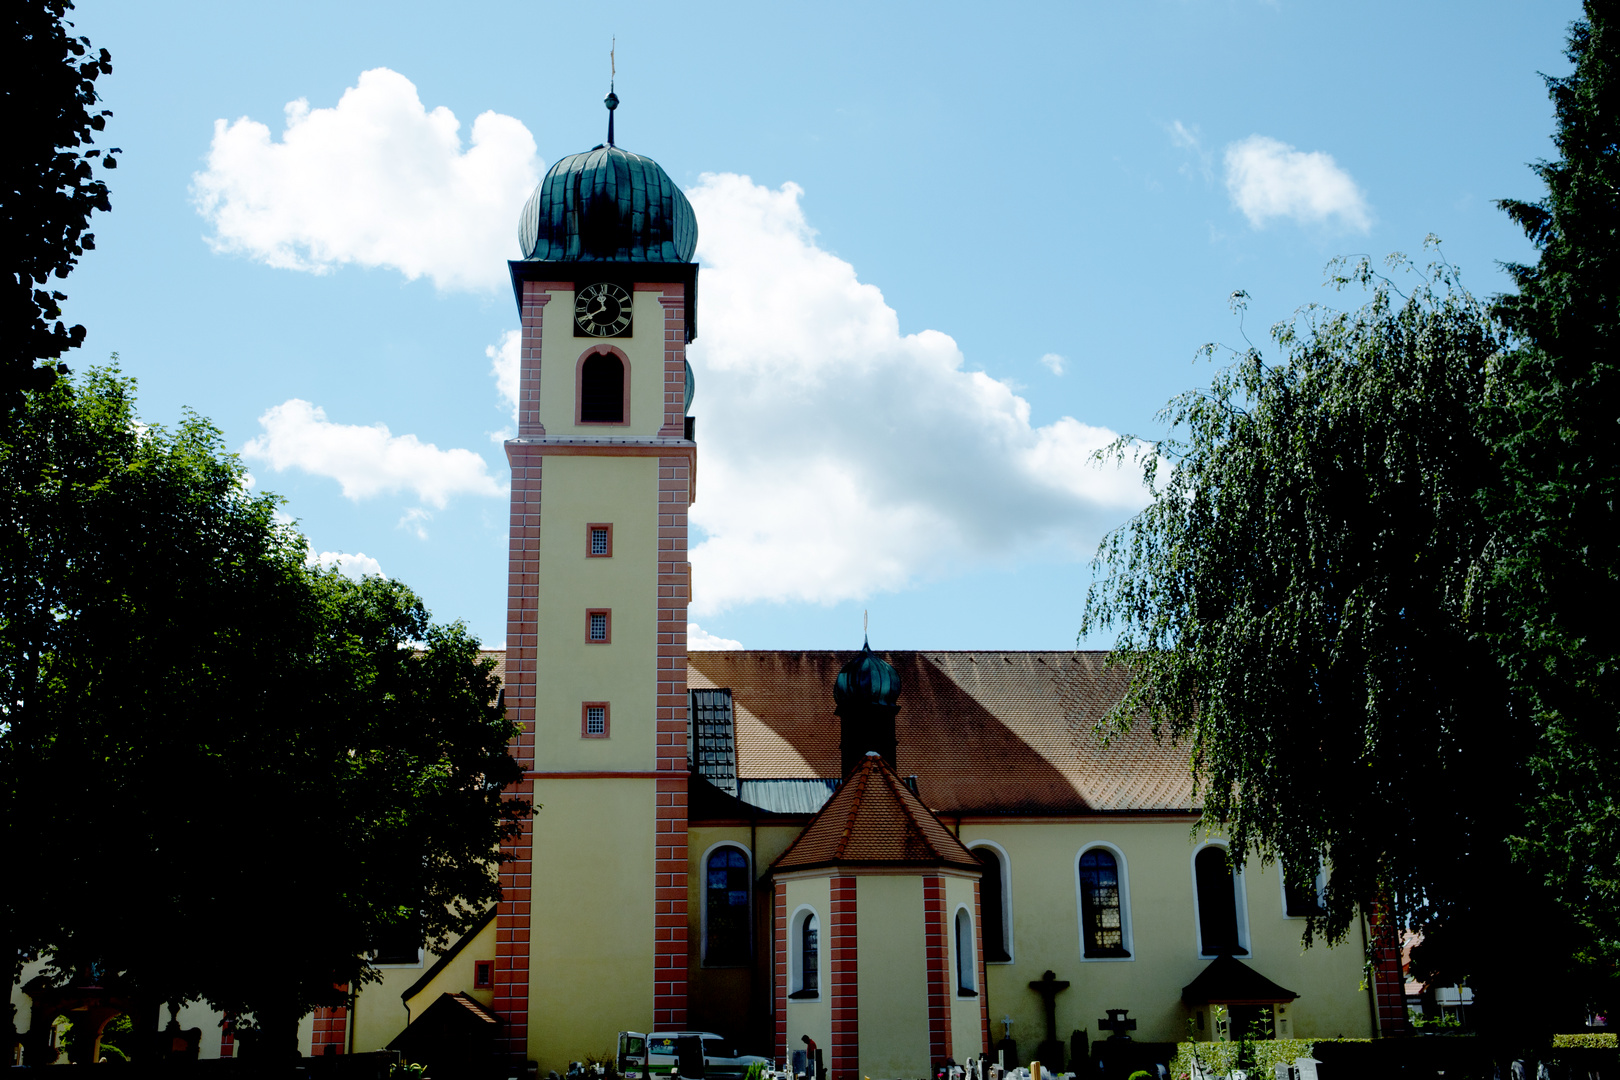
{"points": [[948, 250]]}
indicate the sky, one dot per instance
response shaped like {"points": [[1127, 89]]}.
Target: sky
{"points": [[948, 252]]}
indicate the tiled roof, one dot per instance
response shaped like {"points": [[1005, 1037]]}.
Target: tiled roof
{"points": [[874, 819], [984, 732], [1229, 981]]}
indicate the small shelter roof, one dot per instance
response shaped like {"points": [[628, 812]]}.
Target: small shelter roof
{"points": [[1229, 981]]}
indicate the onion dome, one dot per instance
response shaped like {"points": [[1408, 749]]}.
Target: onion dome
{"points": [[607, 205], [868, 679]]}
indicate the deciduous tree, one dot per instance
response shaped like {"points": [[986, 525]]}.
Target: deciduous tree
{"points": [[48, 186], [230, 776]]}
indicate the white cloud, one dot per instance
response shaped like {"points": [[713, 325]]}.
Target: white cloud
{"points": [[1269, 179], [1191, 140], [505, 359], [354, 566], [377, 180], [700, 639], [366, 460], [1054, 363], [839, 457]]}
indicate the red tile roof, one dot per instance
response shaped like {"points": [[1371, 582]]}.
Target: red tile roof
{"points": [[985, 732], [875, 820]]}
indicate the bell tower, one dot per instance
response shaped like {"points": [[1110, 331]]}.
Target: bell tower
{"points": [[592, 926]]}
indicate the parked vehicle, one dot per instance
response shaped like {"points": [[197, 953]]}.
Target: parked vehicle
{"points": [[694, 1055]]}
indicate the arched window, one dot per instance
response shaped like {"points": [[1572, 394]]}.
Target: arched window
{"points": [[1218, 930], [993, 906], [804, 948], [966, 963], [1102, 914], [725, 908], [601, 389]]}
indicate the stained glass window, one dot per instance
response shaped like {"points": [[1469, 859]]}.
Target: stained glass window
{"points": [[1100, 904], [725, 912]]}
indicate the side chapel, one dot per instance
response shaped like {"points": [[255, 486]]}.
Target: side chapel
{"points": [[906, 856]]}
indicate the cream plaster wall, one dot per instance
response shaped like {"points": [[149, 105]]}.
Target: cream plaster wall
{"points": [[717, 997], [813, 1018], [1043, 866], [591, 933], [560, 351], [459, 975], [891, 975], [379, 1014], [967, 1040], [577, 491]]}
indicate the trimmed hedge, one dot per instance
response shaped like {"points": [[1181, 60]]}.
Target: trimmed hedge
{"points": [[1587, 1041], [1220, 1058]]}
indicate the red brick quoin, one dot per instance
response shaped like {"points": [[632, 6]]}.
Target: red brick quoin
{"points": [[939, 1001], [846, 1029]]}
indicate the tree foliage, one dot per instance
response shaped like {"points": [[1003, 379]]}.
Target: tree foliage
{"points": [[48, 82], [1303, 603], [230, 776], [1554, 420]]}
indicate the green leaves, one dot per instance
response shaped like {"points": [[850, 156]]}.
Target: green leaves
{"points": [[280, 769], [1297, 602]]}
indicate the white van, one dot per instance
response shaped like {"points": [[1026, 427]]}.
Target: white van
{"points": [[695, 1055]]}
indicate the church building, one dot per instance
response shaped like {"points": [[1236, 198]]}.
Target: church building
{"points": [[907, 856]]}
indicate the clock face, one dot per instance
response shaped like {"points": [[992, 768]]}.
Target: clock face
{"points": [[602, 310]]}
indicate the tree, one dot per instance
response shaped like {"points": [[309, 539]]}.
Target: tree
{"points": [[206, 741], [1302, 602], [1553, 418], [49, 188]]}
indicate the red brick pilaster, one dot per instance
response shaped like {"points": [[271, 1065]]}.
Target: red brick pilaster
{"points": [[536, 294], [511, 990], [227, 1038], [1388, 981], [674, 578], [779, 931], [674, 301], [331, 1029], [846, 1027], [984, 986], [939, 987]]}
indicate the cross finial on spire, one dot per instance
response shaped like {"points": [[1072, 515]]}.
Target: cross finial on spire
{"points": [[612, 99], [866, 637]]}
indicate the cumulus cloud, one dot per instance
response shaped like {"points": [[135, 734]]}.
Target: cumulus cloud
{"points": [[1269, 179], [840, 457], [366, 460], [505, 357], [378, 180], [356, 566], [700, 639], [1054, 363]]}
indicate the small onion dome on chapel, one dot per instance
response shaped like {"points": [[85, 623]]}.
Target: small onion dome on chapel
{"points": [[868, 679], [607, 205]]}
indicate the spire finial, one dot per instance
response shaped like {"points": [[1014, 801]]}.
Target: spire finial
{"points": [[866, 637], [612, 99]]}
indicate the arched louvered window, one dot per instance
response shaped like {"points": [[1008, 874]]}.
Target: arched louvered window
{"points": [[966, 961], [726, 920], [993, 906], [1102, 914], [1218, 929], [601, 389]]}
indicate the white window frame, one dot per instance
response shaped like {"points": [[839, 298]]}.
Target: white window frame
{"points": [[972, 987], [703, 905], [1006, 898], [1282, 887], [1126, 937], [796, 953], [1240, 894]]}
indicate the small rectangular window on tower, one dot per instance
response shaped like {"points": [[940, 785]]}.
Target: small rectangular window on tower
{"points": [[599, 626], [599, 540], [594, 720], [483, 974]]}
